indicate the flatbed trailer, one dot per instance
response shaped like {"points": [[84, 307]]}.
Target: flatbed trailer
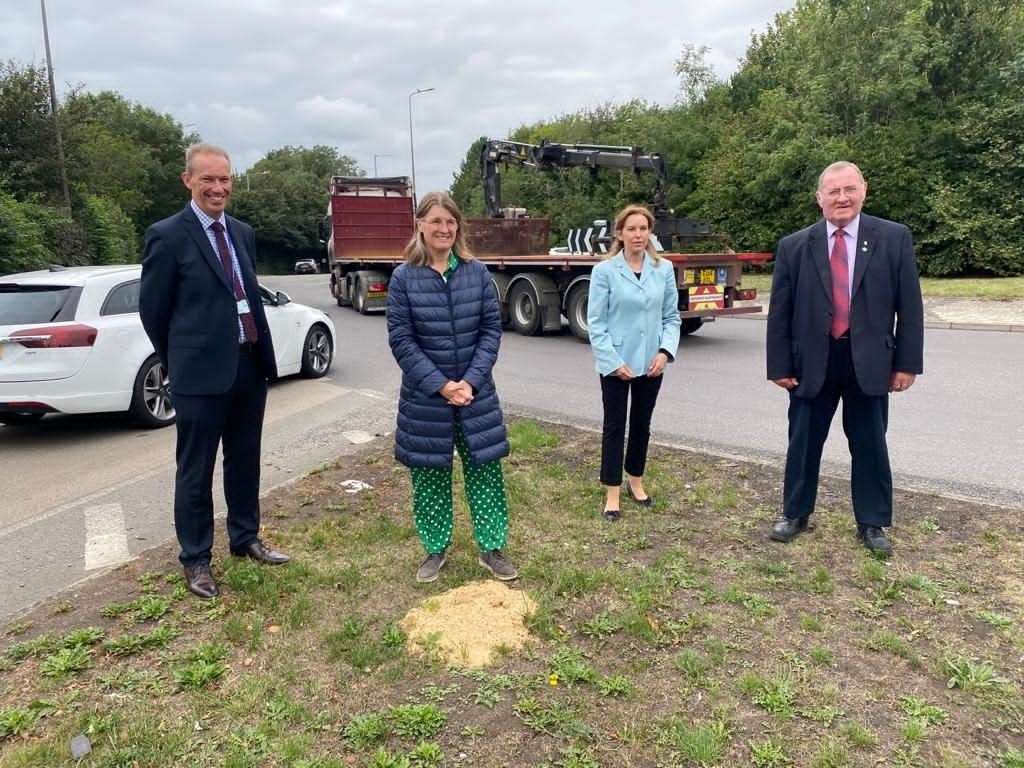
{"points": [[370, 220]]}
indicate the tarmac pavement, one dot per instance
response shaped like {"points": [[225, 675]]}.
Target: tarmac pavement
{"points": [[952, 313]]}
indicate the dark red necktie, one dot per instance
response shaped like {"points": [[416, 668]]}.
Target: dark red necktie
{"points": [[248, 324], [840, 286]]}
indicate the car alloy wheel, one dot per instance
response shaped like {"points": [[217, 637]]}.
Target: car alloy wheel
{"points": [[155, 393], [317, 352]]}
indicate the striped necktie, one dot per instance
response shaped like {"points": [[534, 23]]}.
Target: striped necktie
{"points": [[248, 324]]}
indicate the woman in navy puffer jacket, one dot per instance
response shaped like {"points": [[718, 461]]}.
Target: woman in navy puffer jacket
{"points": [[444, 328]]}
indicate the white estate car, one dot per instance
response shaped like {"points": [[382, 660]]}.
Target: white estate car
{"points": [[71, 341]]}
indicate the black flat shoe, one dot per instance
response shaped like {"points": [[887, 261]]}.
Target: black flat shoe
{"points": [[646, 502], [611, 515], [786, 529]]}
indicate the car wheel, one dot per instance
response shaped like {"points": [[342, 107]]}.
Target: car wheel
{"points": [[16, 419], [317, 352], [151, 401]]}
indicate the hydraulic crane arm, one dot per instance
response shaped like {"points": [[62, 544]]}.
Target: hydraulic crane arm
{"points": [[548, 155]]}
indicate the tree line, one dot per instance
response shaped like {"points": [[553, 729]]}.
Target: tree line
{"points": [[124, 164], [926, 96]]}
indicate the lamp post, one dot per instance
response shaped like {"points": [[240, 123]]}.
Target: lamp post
{"points": [[412, 145], [248, 188], [53, 110], [375, 163]]}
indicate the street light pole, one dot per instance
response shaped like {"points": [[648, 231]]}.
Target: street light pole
{"points": [[248, 187], [53, 110], [412, 145], [375, 163]]}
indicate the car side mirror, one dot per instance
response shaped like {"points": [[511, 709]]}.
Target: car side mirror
{"points": [[281, 298]]}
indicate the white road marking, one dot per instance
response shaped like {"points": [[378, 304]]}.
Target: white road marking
{"points": [[373, 394], [106, 540]]}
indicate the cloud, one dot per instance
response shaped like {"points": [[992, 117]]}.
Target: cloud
{"points": [[255, 75]]}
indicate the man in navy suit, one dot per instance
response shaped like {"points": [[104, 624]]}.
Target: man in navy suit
{"points": [[845, 322], [201, 308]]}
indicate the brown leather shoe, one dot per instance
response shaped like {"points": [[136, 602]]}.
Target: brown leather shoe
{"points": [[260, 552], [200, 581]]}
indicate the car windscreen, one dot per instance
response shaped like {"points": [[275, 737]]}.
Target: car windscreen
{"points": [[23, 304]]}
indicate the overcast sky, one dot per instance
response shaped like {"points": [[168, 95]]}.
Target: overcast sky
{"points": [[253, 75]]}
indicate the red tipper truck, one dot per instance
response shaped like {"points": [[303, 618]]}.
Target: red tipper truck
{"points": [[370, 220]]}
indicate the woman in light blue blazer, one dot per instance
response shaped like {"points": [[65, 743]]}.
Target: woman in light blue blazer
{"points": [[633, 320]]}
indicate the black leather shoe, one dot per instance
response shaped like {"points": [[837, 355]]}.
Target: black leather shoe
{"points": [[611, 515], [645, 502], [874, 539], [786, 529], [200, 581], [260, 552]]}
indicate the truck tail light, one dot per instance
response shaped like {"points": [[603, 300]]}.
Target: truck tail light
{"points": [[378, 286], [55, 336], [746, 294]]}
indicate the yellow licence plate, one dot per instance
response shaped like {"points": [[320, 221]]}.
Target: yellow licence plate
{"points": [[707, 276], [376, 294]]}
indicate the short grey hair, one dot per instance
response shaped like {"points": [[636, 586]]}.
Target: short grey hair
{"points": [[839, 165], [202, 148]]}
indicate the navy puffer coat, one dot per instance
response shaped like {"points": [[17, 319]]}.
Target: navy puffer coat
{"points": [[442, 332]]}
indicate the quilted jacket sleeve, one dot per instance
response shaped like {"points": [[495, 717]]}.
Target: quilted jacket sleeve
{"points": [[416, 366], [489, 340]]}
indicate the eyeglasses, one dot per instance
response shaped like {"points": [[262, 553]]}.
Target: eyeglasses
{"points": [[835, 193]]}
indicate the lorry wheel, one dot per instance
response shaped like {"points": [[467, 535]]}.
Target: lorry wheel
{"points": [[339, 294], [576, 311], [506, 321], [690, 325], [359, 297], [524, 309]]}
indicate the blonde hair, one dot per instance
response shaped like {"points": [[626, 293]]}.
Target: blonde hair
{"points": [[620, 222], [416, 252], [202, 148]]}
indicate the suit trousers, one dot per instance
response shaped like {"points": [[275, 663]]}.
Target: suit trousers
{"points": [[865, 420], [615, 394], [234, 419]]}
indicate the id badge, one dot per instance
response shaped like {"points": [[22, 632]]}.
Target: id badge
{"points": [[243, 306]]}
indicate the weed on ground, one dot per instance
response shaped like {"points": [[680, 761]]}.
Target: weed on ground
{"points": [[677, 637]]}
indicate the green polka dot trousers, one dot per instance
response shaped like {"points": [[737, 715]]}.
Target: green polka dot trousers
{"points": [[485, 490]]}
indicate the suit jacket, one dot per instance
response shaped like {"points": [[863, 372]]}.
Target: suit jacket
{"points": [[188, 306], [886, 312], [629, 320]]}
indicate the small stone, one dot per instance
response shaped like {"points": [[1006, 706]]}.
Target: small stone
{"points": [[80, 747]]}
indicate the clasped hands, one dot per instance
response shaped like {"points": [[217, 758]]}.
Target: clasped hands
{"points": [[898, 382], [656, 368], [457, 392]]}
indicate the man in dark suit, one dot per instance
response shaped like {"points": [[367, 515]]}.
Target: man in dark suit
{"points": [[200, 305], [845, 322]]}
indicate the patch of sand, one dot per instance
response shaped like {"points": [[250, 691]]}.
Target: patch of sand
{"points": [[467, 624]]}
